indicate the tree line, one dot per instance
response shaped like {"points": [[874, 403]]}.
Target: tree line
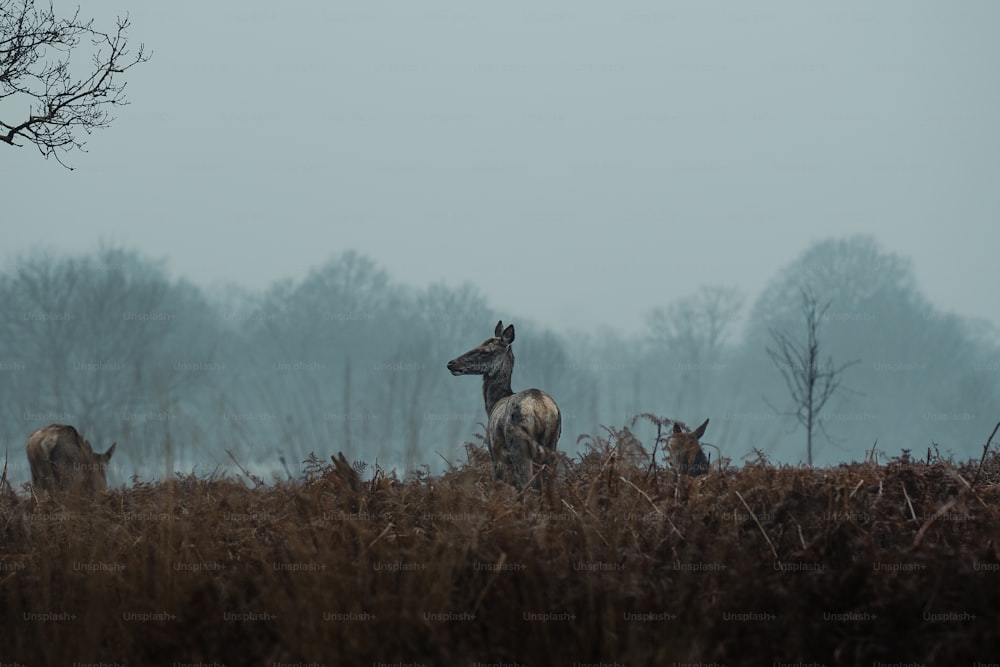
{"points": [[350, 360]]}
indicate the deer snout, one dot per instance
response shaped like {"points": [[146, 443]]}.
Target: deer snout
{"points": [[454, 367]]}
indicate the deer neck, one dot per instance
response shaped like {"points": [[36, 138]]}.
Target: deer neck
{"points": [[496, 385]]}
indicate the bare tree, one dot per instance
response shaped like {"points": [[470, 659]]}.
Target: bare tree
{"points": [[35, 70], [810, 382]]}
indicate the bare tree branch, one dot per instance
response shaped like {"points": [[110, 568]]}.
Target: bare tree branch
{"points": [[35, 69]]}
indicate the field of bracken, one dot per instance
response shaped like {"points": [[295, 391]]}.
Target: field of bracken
{"points": [[616, 560]]}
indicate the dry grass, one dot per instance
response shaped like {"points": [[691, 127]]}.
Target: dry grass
{"points": [[614, 561]]}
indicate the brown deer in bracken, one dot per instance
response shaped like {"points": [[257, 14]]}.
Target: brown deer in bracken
{"points": [[523, 428], [686, 455], [62, 461]]}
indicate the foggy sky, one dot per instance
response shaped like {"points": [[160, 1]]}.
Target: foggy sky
{"points": [[581, 163]]}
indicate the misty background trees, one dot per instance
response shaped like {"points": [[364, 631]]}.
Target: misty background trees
{"points": [[350, 360]]}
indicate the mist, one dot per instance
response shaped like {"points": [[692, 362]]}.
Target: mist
{"points": [[351, 360], [579, 164], [302, 216]]}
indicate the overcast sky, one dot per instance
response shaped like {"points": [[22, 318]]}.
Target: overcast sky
{"points": [[581, 162]]}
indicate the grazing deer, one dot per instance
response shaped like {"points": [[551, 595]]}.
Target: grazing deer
{"points": [[523, 428], [62, 461], [685, 451]]}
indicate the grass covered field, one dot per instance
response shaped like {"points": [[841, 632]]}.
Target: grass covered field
{"points": [[616, 561]]}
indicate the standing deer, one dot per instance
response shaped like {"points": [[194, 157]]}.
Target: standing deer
{"points": [[686, 454], [523, 428], [62, 461]]}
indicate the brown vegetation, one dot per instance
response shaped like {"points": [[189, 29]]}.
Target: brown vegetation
{"points": [[617, 560]]}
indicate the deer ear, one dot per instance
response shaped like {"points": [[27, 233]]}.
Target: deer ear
{"points": [[111, 450], [677, 428], [499, 329], [508, 335], [700, 431]]}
